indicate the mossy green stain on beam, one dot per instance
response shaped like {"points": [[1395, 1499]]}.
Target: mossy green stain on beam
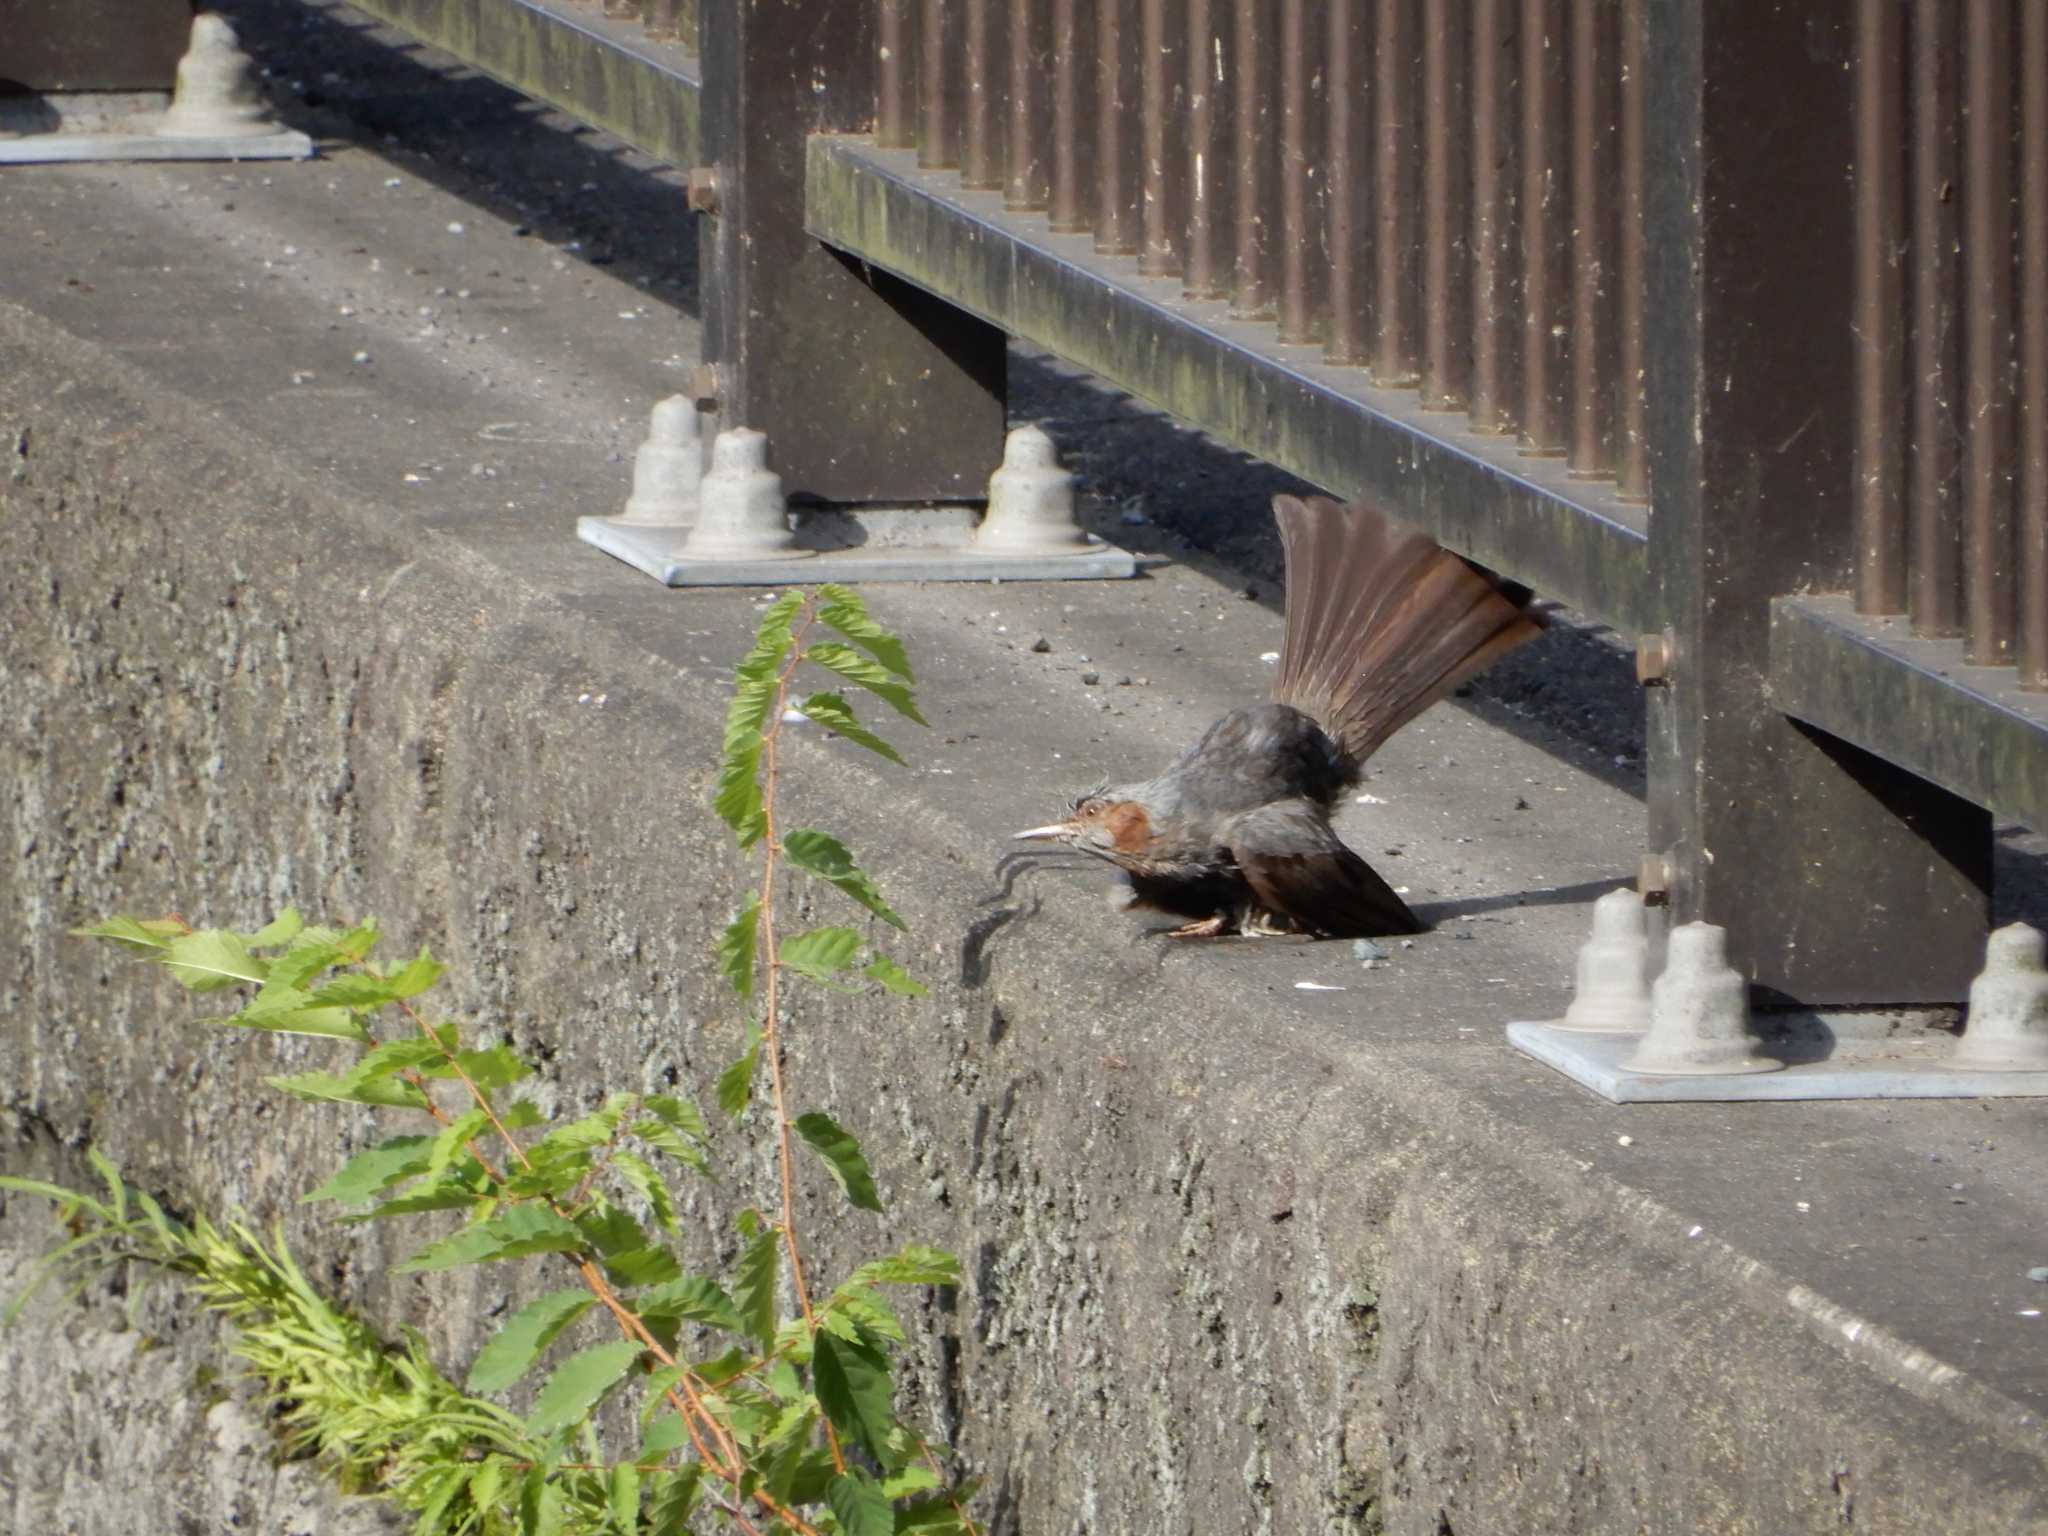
{"points": [[1577, 543], [602, 73]]}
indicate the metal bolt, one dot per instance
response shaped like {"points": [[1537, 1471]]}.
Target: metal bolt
{"points": [[1653, 660], [1653, 880], [707, 386], [701, 194]]}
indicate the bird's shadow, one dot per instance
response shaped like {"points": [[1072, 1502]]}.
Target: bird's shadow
{"points": [[1017, 863]]}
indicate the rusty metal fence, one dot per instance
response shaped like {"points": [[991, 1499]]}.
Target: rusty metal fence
{"points": [[1727, 324]]}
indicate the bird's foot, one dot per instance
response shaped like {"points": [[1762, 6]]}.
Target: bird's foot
{"points": [[1206, 928]]}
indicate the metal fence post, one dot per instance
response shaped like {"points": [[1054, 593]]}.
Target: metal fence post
{"points": [[868, 389], [1840, 878]]}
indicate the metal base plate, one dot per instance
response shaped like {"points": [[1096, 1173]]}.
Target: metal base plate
{"points": [[1819, 1064], [76, 126], [652, 548]]}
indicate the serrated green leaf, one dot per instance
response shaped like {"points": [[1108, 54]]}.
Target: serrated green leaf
{"points": [[772, 637], [667, 1139], [852, 1382], [388, 1163], [833, 712], [515, 1347], [317, 1087], [307, 957], [868, 1318], [914, 1478], [754, 1292], [891, 975], [285, 1010], [915, 1264], [845, 612], [282, 929], [738, 798], [394, 1056], [213, 959], [418, 974], [512, 1233], [671, 1498], [826, 857], [678, 1114], [843, 1158], [856, 668], [860, 1505], [648, 1185], [455, 1138], [736, 949], [356, 989], [820, 953], [691, 1299], [496, 1066], [666, 1434], [736, 1082], [486, 1483], [451, 1194], [938, 1515], [579, 1383], [623, 1497], [144, 936]]}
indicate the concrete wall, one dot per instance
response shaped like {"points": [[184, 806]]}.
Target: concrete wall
{"points": [[1222, 1277]]}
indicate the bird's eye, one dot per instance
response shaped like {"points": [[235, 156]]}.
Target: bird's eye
{"points": [[1088, 805]]}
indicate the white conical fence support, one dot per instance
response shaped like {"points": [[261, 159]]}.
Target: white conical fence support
{"points": [[2007, 1028], [216, 96], [741, 514], [1699, 1011], [668, 468], [1611, 991], [1030, 502]]}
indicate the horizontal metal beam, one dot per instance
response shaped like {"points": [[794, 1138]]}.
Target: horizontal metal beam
{"points": [[1570, 539], [606, 73], [1912, 702]]}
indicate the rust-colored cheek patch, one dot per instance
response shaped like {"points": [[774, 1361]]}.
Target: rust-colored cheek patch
{"points": [[1128, 827]]}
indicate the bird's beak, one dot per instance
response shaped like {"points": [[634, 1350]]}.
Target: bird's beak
{"points": [[1040, 834]]}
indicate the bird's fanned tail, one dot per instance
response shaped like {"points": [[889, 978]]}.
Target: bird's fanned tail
{"points": [[1382, 621]]}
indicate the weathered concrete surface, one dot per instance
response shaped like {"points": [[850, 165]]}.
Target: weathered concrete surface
{"points": [[1242, 1257]]}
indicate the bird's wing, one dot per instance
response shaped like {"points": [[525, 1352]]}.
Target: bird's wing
{"points": [[1298, 866]]}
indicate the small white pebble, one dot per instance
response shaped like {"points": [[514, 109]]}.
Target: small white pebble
{"points": [[393, 181], [291, 250], [2030, 1311], [1802, 1206], [1367, 800], [412, 479], [1315, 986], [1269, 657], [582, 698], [794, 716], [1624, 1141], [1695, 1232], [360, 357], [455, 226]]}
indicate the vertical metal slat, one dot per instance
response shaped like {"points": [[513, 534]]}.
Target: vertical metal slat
{"points": [[1026, 182], [1396, 190], [1987, 333], [1634, 447], [1072, 208], [1344, 207], [981, 146], [938, 87], [1252, 143], [895, 75], [1161, 94], [1209, 259], [1446, 211], [1593, 230], [2033, 339], [1495, 328], [1117, 182], [1934, 594], [1545, 234], [1880, 512], [1301, 270]]}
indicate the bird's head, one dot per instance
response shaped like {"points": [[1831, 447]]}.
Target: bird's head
{"points": [[1102, 823]]}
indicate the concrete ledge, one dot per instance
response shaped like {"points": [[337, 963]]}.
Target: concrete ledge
{"points": [[1243, 1257]]}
